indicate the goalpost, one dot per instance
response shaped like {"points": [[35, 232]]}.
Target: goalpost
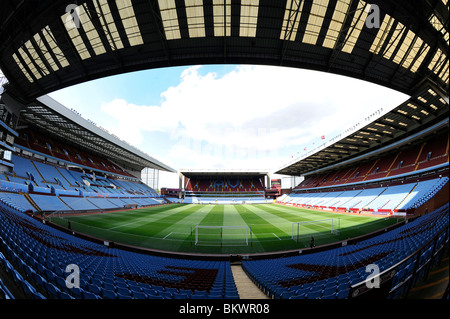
{"points": [[300, 230], [203, 235]]}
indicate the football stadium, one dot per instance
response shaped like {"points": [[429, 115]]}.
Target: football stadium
{"points": [[366, 215]]}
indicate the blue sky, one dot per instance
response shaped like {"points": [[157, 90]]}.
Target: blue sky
{"points": [[226, 116]]}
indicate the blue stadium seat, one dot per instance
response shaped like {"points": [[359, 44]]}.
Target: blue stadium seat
{"points": [[89, 295], [314, 294], [124, 274], [108, 294], [301, 295], [31, 291], [94, 289], [280, 276], [138, 295], [52, 291]]}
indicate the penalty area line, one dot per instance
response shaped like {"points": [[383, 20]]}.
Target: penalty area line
{"points": [[276, 236], [168, 235]]}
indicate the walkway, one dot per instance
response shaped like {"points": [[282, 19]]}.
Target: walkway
{"points": [[246, 288]]}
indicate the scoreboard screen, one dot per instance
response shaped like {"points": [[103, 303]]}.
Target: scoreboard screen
{"points": [[276, 183]]}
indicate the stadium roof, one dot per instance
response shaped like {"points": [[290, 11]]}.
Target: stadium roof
{"points": [[50, 116], [418, 117], [49, 45]]}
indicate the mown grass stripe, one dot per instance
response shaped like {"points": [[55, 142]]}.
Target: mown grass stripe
{"points": [[145, 216], [242, 217], [260, 226], [152, 227], [143, 221], [283, 224], [114, 219], [183, 226], [302, 216], [232, 217], [350, 225]]}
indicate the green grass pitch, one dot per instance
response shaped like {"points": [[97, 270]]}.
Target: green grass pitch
{"points": [[172, 227]]}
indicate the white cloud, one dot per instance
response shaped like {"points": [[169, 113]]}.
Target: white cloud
{"points": [[202, 155], [248, 115]]}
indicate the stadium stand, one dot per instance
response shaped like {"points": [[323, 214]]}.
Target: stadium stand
{"points": [[332, 273], [408, 53], [49, 203], [224, 184], [415, 158], [39, 186], [217, 187], [379, 199], [37, 256], [16, 201], [36, 142]]}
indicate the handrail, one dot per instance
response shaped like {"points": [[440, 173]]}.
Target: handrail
{"points": [[360, 288]]}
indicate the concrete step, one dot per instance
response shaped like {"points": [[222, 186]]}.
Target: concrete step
{"points": [[246, 288]]}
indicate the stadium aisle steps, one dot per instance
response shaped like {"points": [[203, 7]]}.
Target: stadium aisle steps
{"points": [[31, 202], [406, 197], [40, 175], [436, 283], [246, 288]]}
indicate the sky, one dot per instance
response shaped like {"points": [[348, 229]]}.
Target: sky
{"points": [[226, 116]]}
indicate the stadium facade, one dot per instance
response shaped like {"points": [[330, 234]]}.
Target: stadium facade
{"points": [[224, 186]]}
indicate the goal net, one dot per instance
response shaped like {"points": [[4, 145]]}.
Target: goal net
{"points": [[322, 227], [221, 235]]}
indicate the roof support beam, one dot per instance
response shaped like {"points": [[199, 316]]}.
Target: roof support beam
{"points": [[92, 13], [293, 16], [157, 22], [69, 42], [346, 29]]}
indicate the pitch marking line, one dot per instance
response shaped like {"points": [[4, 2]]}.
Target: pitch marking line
{"points": [[276, 236], [122, 225], [168, 235]]}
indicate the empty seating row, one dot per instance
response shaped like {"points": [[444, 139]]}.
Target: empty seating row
{"points": [[34, 176], [46, 258], [223, 184], [53, 188], [423, 192], [34, 141], [423, 155], [388, 198], [331, 274], [16, 201], [224, 200]]}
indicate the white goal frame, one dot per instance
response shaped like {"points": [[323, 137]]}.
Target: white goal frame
{"points": [[224, 238], [333, 225]]}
